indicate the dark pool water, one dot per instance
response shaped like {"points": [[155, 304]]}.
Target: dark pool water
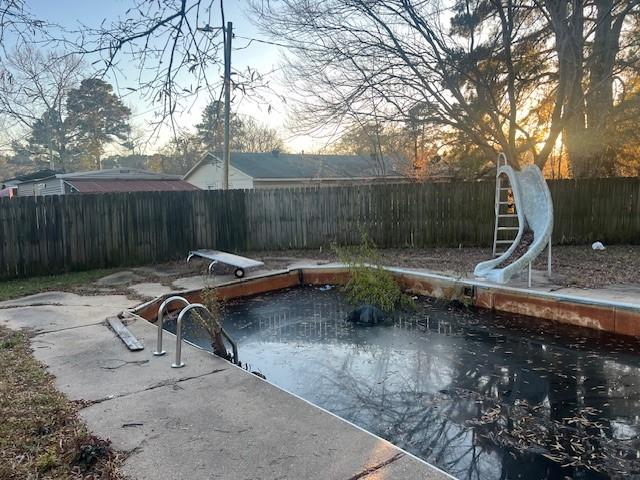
{"points": [[481, 395]]}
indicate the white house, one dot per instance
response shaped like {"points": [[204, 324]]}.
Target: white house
{"points": [[281, 170]]}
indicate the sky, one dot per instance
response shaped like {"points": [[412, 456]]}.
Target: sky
{"points": [[265, 58]]}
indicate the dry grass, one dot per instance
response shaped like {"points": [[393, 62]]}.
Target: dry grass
{"points": [[41, 436], [65, 281]]}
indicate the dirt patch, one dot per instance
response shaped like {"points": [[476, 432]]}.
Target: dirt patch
{"points": [[578, 265], [525, 242], [41, 435]]}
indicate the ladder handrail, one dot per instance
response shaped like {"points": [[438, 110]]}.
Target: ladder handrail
{"points": [[234, 346], [160, 320], [192, 306], [178, 362]]}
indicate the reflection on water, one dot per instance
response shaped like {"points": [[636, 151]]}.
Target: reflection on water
{"points": [[480, 395]]}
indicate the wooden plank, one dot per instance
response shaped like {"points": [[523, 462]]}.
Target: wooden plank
{"points": [[124, 334]]}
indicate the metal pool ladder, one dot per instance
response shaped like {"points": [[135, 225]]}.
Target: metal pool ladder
{"points": [[161, 311], [178, 363]]}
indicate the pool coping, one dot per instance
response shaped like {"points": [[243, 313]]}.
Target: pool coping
{"points": [[597, 313], [522, 290]]}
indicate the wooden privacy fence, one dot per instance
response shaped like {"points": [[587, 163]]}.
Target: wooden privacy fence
{"points": [[53, 234]]}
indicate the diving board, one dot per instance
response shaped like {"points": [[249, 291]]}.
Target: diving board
{"points": [[240, 264]]}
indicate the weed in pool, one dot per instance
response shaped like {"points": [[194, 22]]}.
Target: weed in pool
{"points": [[369, 283], [211, 321]]}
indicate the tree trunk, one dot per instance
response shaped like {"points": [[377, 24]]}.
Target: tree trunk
{"points": [[218, 346], [567, 17], [588, 131], [599, 98]]}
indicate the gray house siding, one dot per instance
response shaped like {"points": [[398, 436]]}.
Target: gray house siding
{"points": [[43, 186]]}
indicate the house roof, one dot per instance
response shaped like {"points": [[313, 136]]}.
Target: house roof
{"points": [[119, 174], [37, 175], [125, 180], [305, 166], [110, 185], [114, 180]]}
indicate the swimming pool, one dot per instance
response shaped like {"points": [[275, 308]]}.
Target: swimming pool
{"points": [[480, 394]]}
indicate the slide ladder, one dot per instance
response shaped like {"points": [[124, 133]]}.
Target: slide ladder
{"points": [[507, 225]]}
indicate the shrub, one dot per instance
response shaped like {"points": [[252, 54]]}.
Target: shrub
{"points": [[369, 283]]}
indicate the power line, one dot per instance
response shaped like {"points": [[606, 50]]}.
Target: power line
{"points": [[260, 40]]}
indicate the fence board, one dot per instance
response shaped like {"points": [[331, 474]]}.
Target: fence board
{"points": [[71, 232]]}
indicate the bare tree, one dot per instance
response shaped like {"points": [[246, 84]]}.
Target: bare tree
{"points": [[503, 75], [253, 136], [177, 46], [593, 55], [33, 93], [178, 156], [381, 59], [18, 23]]}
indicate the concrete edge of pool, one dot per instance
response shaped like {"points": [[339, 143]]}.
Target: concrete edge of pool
{"points": [[622, 318]]}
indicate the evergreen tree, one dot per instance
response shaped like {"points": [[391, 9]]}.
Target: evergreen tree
{"points": [[49, 140], [96, 118]]}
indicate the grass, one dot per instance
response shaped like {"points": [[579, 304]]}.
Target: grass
{"points": [[67, 281], [41, 435]]}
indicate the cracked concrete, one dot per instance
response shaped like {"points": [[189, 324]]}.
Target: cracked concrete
{"points": [[80, 357], [150, 290], [69, 299], [119, 279], [56, 311], [208, 420]]}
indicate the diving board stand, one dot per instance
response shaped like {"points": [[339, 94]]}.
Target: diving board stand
{"points": [[240, 264]]}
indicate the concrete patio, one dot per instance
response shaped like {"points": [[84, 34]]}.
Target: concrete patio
{"points": [[209, 419]]}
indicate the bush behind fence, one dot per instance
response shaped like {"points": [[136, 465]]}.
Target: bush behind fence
{"points": [[52, 234]]}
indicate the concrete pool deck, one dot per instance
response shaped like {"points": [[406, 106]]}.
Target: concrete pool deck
{"points": [[209, 419]]}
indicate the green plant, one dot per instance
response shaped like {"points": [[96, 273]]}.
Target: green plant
{"points": [[369, 283], [13, 340], [47, 461]]}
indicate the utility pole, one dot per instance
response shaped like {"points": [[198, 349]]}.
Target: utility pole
{"points": [[227, 104], [51, 165]]}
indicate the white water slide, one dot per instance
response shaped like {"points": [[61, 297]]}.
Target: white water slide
{"points": [[534, 212]]}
